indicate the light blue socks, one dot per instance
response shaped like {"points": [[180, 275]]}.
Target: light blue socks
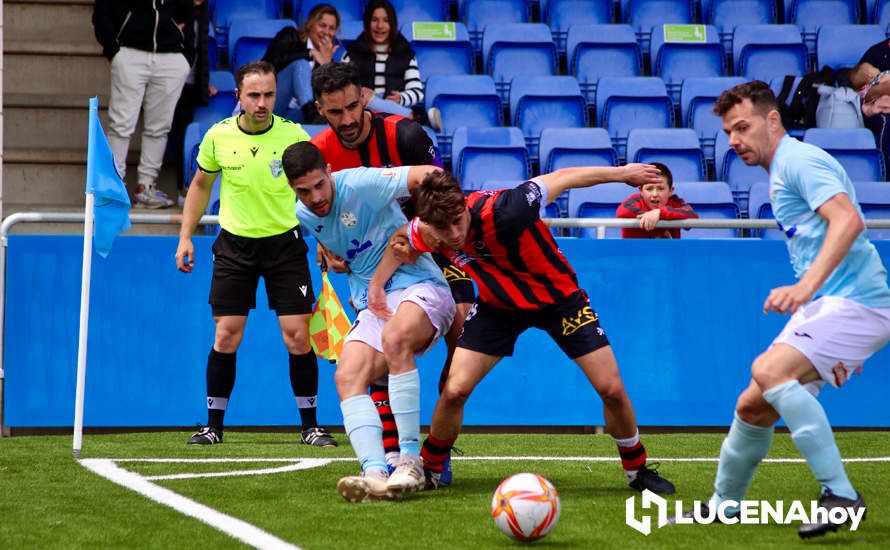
{"points": [[404, 398], [742, 450], [365, 431], [812, 435]]}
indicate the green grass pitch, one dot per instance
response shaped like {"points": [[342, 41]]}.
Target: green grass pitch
{"points": [[48, 500]]}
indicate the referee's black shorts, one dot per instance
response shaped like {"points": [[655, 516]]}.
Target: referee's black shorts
{"points": [[239, 262]]}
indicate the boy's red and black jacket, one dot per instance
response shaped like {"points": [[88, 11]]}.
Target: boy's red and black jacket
{"points": [[633, 206]]}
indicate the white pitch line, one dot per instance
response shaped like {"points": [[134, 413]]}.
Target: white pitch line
{"points": [[301, 465], [232, 526]]}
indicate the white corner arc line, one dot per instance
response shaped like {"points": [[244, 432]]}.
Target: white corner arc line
{"points": [[232, 526], [304, 464]]}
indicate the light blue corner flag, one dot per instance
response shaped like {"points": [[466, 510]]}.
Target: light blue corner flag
{"points": [[112, 211]]}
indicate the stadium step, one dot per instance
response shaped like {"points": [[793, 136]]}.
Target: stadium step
{"points": [[66, 22]]}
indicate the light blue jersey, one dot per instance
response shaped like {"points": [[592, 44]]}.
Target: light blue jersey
{"points": [[802, 177], [362, 218]]}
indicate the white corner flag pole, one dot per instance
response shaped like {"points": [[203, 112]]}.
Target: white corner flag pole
{"points": [[84, 311]]}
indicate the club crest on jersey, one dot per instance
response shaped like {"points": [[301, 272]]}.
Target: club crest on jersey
{"points": [[348, 219], [275, 168]]}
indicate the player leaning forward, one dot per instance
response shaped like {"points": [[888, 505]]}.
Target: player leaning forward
{"points": [[524, 281], [353, 213]]}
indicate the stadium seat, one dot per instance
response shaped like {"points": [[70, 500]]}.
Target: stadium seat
{"points": [[349, 10], [809, 15], [518, 49], [675, 61], [843, 45], [726, 15], [623, 104], [194, 133], [881, 13], [711, 200], [409, 11], [677, 148], [643, 15], [539, 102], [562, 14], [478, 153], [595, 51], [762, 52], [599, 201], [349, 32], [479, 14], [463, 100], [730, 168], [225, 12], [697, 97], [568, 147], [313, 129], [435, 57], [874, 200], [249, 38], [854, 148], [759, 208], [222, 104]]}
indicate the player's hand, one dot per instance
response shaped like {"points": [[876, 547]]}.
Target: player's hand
{"points": [[367, 95], [395, 97], [377, 302], [649, 219], [787, 299], [328, 260], [185, 256], [639, 175], [402, 250]]}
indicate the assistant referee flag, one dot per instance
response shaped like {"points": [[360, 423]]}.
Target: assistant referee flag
{"points": [[329, 324]]}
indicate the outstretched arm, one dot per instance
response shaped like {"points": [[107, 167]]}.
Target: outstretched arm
{"points": [[587, 176]]}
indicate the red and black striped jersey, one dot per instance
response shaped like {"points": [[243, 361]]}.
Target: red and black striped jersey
{"points": [[510, 252]]}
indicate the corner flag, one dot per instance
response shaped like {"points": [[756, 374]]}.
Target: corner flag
{"points": [[329, 324], [112, 207]]}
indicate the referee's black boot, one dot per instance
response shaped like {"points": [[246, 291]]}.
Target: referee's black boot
{"points": [[648, 478], [829, 501]]}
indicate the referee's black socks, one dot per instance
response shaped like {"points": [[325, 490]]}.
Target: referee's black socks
{"points": [[304, 382], [220, 381]]}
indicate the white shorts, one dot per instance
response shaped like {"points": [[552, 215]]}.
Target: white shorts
{"points": [[837, 335], [434, 300]]}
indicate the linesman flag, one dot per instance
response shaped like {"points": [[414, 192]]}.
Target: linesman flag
{"points": [[329, 324]]}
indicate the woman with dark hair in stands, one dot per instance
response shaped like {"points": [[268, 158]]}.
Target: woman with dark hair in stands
{"points": [[295, 53], [389, 73]]}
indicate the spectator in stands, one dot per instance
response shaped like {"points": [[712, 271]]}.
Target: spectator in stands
{"points": [[387, 64], [295, 53], [874, 62], [197, 91], [655, 201], [150, 46]]}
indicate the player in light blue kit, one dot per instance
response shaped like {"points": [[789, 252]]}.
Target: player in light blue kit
{"points": [[353, 213], [840, 305]]}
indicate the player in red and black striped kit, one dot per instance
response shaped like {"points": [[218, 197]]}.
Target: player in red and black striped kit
{"points": [[358, 137], [524, 281]]}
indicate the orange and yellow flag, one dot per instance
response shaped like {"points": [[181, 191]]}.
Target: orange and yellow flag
{"points": [[329, 324]]}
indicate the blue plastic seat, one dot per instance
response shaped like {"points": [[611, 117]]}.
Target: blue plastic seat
{"points": [[222, 104], [599, 201], [463, 100], [520, 49], [809, 15], [194, 133], [478, 154], [643, 15], [225, 12], [595, 51], [676, 61], [313, 129], [677, 148], [409, 11], [710, 200], [760, 208], [726, 15], [435, 57], [569, 147], [249, 38], [349, 32], [843, 45], [881, 13], [730, 168], [763, 52], [874, 200], [697, 97], [623, 104], [854, 148], [479, 14], [349, 10], [539, 102], [562, 14]]}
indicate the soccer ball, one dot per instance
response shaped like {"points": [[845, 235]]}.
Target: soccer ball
{"points": [[525, 507]]}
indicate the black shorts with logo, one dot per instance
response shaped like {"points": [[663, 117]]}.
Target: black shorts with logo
{"points": [[572, 324], [462, 289], [239, 262]]}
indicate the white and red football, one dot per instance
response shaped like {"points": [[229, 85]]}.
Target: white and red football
{"points": [[525, 506]]}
